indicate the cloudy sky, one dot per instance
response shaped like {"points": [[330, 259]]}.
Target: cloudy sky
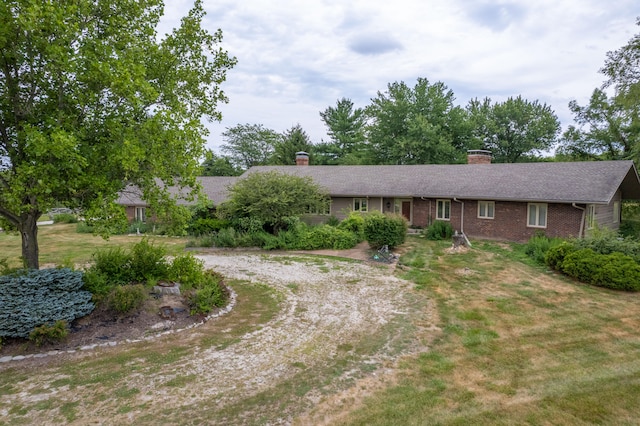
{"points": [[297, 57]]}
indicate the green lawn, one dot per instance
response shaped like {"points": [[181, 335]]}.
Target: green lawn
{"points": [[59, 244], [518, 345]]}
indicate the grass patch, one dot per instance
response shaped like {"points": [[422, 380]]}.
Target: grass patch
{"points": [[59, 244]]}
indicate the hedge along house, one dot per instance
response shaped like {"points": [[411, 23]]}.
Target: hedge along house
{"points": [[494, 201], [214, 187]]}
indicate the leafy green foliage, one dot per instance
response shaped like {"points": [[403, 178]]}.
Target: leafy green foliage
{"points": [[200, 227], [439, 230], [554, 257], [513, 129], [187, 270], [248, 145], [209, 294], [292, 141], [113, 264], [326, 237], [271, 199], [109, 103], [36, 297], [419, 125], [147, 261], [346, 128], [354, 223], [49, 333], [385, 229], [616, 271], [606, 241], [215, 165], [126, 298], [538, 246]]}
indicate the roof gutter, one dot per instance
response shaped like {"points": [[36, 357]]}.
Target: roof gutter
{"points": [[581, 221], [462, 221]]}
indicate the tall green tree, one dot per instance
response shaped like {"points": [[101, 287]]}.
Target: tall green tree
{"points": [[293, 140], [91, 100], [218, 165], [609, 126], [513, 130], [249, 145], [418, 125], [346, 128]]}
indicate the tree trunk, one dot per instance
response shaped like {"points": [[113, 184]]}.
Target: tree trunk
{"points": [[28, 228]]}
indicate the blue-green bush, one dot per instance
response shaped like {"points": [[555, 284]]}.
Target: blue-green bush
{"points": [[37, 297], [385, 229]]}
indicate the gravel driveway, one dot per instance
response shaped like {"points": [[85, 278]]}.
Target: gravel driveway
{"points": [[326, 305]]}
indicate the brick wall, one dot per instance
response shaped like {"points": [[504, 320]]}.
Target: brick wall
{"points": [[509, 222]]}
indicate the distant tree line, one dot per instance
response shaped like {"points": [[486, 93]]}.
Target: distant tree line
{"points": [[420, 124]]}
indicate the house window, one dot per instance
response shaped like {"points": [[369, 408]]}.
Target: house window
{"points": [[324, 210], [486, 209], [591, 216], [141, 214], [360, 205], [443, 209], [537, 215], [616, 211]]}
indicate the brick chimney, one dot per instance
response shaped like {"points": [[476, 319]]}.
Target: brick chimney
{"points": [[302, 158], [478, 156]]}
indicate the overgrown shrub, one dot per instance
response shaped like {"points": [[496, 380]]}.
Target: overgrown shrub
{"points": [[46, 333], [31, 299], [385, 229], [204, 226], [209, 293], [326, 237], [616, 270], [332, 221], [354, 223], [147, 262], [582, 264], [126, 298], [630, 228], [607, 241], [187, 270], [438, 230], [226, 237], [114, 264], [538, 246], [65, 218], [556, 254]]}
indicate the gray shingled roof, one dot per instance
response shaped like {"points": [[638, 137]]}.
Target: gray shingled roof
{"points": [[580, 182], [215, 187]]}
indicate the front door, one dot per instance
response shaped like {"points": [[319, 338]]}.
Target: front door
{"points": [[406, 210]]}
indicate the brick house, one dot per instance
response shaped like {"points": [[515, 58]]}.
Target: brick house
{"points": [[136, 209], [484, 200], [493, 201]]}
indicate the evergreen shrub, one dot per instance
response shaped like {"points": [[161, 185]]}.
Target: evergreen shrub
{"points": [[37, 297]]}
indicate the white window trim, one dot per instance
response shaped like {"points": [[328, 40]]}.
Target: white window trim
{"points": [[591, 216], [366, 202], [546, 218], [487, 204], [443, 201], [140, 211]]}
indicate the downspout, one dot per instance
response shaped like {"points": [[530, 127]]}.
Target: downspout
{"points": [[462, 221], [581, 221]]}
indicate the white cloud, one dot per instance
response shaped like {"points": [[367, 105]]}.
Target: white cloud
{"points": [[296, 58]]}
